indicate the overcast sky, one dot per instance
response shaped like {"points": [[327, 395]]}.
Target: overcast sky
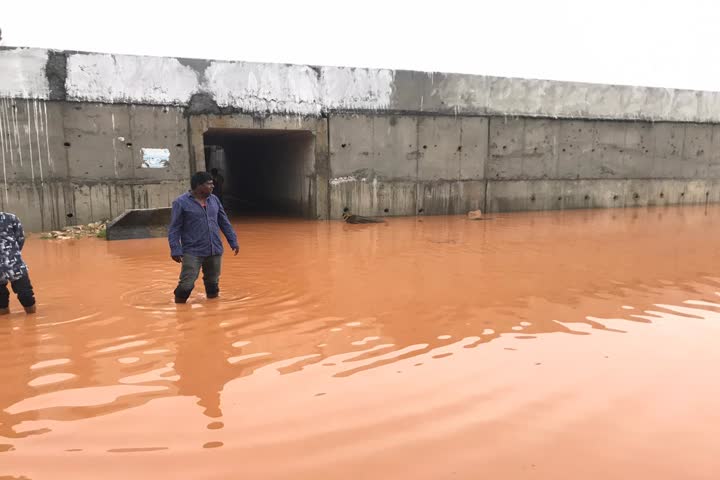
{"points": [[654, 43]]}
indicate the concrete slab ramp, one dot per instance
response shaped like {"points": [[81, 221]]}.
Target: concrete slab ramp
{"points": [[140, 223]]}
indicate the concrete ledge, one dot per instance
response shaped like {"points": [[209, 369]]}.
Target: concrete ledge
{"points": [[140, 223], [212, 86]]}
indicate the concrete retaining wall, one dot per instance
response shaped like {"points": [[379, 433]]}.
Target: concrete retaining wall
{"points": [[71, 163], [449, 165], [73, 126]]}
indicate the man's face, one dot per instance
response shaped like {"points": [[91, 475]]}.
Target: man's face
{"points": [[205, 189]]}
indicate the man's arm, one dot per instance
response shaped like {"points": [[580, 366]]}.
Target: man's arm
{"points": [[176, 222], [19, 233], [227, 229]]}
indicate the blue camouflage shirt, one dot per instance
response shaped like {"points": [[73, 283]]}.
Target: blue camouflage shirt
{"points": [[12, 239], [195, 230]]}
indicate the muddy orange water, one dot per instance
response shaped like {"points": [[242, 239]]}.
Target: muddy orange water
{"points": [[575, 345]]}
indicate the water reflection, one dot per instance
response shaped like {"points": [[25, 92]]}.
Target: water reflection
{"points": [[363, 340], [203, 338]]}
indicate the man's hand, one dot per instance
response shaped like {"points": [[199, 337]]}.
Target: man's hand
{"points": [[177, 258], [236, 250]]}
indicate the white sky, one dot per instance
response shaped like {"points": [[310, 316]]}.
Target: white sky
{"points": [[637, 42]]}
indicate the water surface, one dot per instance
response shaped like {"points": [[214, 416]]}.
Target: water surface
{"points": [[546, 345]]}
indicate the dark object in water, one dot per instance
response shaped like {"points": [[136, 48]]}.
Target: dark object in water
{"points": [[350, 218]]}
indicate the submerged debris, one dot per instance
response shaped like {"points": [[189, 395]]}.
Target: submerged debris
{"points": [[475, 214], [95, 229], [350, 218]]}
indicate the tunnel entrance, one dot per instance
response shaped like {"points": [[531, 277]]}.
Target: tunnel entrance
{"points": [[266, 172]]}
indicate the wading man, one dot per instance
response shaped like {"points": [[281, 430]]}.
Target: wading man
{"points": [[194, 236], [12, 267]]}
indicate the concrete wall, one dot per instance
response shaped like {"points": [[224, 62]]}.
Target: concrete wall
{"points": [[68, 163], [540, 164], [403, 165], [407, 164], [72, 126], [208, 86]]}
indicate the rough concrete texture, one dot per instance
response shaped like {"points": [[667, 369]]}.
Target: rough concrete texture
{"points": [[261, 88], [129, 79], [56, 72], [139, 223], [23, 73], [403, 165], [526, 148], [103, 147], [523, 195], [203, 103], [73, 127], [66, 164]]}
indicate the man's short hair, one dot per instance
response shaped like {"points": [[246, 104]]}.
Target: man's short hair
{"points": [[199, 178]]}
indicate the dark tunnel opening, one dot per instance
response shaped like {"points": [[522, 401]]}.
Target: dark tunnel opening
{"points": [[266, 172]]}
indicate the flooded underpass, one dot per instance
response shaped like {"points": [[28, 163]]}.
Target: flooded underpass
{"points": [[553, 345]]}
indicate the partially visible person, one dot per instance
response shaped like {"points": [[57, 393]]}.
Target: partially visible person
{"points": [[218, 183], [194, 236], [13, 269]]}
